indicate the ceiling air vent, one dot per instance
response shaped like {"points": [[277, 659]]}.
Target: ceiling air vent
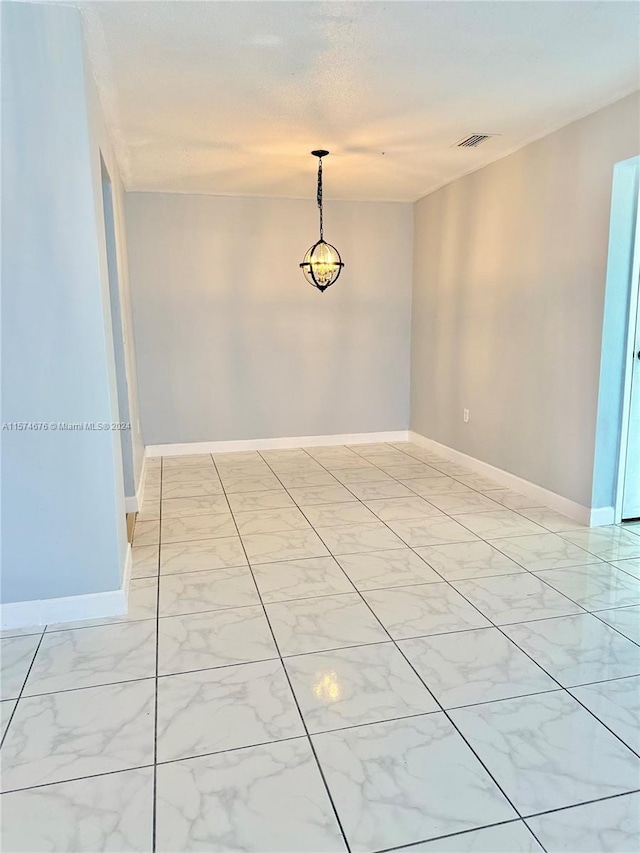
{"points": [[474, 140]]}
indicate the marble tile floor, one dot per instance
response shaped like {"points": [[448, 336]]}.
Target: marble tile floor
{"points": [[363, 648]]}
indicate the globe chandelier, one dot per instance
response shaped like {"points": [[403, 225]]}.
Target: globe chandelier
{"points": [[322, 263]]}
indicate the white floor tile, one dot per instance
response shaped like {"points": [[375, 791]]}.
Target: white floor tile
{"points": [[463, 502], [356, 686], [387, 783], [315, 495], [498, 524], [431, 531], [247, 469], [104, 813], [478, 481], [150, 511], [384, 489], [334, 515], [463, 560], [365, 474], [214, 638], [594, 587], [379, 569], [547, 752], [87, 657], [7, 707], [252, 501], [300, 579], [404, 471], [327, 622], [145, 561], [515, 598], [474, 666], [608, 543], [312, 478], [6, 633], [543, 551], [187, 528], [357, 538], [400, 509], [550, 519], [626, 620], [415, 611], [218, 709], [577, 649], [17, 653], [271, 520], [262, 483], [511, 499], [151, 492], [617, 705], [193, 592], [146, 533], [608, 826], [263, 799], [62, 736], [428, 486], [631, 567], [200, 556], [190, 474], [191, 460], [203, 488], [287, 545]]}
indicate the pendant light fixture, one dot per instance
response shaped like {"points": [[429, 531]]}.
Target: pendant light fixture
{"points": [[322, 264]]}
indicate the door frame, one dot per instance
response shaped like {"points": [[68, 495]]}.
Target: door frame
{"points": [[629, 350], [118, 330]]}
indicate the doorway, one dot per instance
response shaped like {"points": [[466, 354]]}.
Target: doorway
{"points": [[616, 472], [627, 499], [119, 338], [630, 473]]}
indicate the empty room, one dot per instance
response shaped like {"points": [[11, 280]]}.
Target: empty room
{"points": [[320, 426]]}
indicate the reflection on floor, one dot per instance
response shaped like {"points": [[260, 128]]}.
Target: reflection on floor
{"points": [[338, 648]]}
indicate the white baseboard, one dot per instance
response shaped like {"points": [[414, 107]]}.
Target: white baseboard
{"points": [[602, 515], [70, 608], [573, 510], [274, 443]]}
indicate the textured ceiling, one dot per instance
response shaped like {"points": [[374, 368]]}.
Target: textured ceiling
{"points": [[230, 97]]}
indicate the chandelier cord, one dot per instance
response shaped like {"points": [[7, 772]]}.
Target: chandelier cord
{"points": [[319, 196]]}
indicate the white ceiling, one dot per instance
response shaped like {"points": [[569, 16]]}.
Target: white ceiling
{"points": [[230, 97]]}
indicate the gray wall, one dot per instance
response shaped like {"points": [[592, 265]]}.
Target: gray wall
{"points": [[508, 295], [62, 494], [231, 341]]}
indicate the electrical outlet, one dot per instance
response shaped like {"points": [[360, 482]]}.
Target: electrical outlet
{"points": [[465, 415]]}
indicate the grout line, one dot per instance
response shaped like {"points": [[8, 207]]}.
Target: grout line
{"points": [[291, 690], [247, 746], [452, 835], [75, 779], [24, 683]]}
